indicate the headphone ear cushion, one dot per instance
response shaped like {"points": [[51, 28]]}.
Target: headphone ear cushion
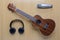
{"points": [[12, 30], [21, 30]]}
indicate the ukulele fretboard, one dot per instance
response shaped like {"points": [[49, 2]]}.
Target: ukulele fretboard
{"points": [[26, 15]]}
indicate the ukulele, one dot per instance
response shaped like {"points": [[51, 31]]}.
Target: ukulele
{"points": [[46, 26]]}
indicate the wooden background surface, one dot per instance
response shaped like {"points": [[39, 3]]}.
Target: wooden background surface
{"points": [[28, 6]]}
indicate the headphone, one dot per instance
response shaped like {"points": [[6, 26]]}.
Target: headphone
{"points": [[13, 30]]}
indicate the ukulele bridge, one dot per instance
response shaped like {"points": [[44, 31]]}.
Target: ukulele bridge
{"points": [[45, 26]]}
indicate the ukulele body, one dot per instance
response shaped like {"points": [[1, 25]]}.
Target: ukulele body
{"points": [[49, 29]]}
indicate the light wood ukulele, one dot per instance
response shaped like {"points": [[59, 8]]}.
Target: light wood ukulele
{"points": [[46, 26]]}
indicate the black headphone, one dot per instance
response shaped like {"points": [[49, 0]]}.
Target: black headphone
{"points": [[13, 30]]}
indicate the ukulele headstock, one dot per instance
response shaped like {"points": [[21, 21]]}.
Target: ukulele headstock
{"points": [[11, 7]]}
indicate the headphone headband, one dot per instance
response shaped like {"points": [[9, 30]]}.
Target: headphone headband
{"points": [[16, 20]]}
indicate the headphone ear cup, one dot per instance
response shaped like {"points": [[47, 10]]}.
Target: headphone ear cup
{"points": [[12, 30], [21, 30]]}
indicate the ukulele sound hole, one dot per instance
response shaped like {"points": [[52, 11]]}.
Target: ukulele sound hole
{"points": [[38, 21]]}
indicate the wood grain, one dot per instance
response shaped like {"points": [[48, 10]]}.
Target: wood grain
{"points": [[50, 28]]}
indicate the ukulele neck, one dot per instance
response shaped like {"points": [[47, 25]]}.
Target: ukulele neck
{"points": [[26, 15]]}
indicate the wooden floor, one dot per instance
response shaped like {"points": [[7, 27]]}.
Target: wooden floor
{"points": [[28, 6]]}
